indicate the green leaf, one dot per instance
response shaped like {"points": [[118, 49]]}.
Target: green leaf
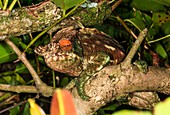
{"points": [[21, 68], [166, 28], [66, 4], [7, 54], [140, 21], [160, 50], [161, 17], [167, 45], [16, 40], [151, 33], [14, 79], [111, 107], [3, 81], [148, 57], [26, 110], [163, 2], [29, 50], [148, 20], [147, 5], [1, 6], [19, 79], [139, 24], [162, 108], [15, 110], [130, 112], [10, 80], [20, 43], [64, 81]]}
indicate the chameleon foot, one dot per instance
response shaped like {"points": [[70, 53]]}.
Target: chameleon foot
{"points": [[80, 82], [142, 66]]}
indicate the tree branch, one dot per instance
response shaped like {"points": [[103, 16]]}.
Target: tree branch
{"points": [[102, 89], [129, 57], [18, 89], [41, 86], [38, 17]]}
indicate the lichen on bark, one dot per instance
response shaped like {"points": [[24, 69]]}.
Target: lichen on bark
{"points": [[29, 19], [38, 17], [94, 15]]}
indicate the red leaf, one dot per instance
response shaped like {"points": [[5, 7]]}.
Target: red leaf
{"points": [[62, 103]]}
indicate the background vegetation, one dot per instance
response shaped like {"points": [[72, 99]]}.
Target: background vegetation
{"points": [[125, 22]]}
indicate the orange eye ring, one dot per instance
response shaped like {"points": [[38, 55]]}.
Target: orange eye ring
{"points": [[65, 44]]}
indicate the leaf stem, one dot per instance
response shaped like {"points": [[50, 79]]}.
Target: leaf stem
{"points": [[12, 5], [5, 5], [1, 6], [167, 36], [54, 83]]}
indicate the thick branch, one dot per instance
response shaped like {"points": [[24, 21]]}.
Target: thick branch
{"points": [[101, 88], [38, 17], [28, 19], [157, 79]]}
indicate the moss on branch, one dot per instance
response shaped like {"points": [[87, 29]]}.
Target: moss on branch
{"points": [[38, 17]]}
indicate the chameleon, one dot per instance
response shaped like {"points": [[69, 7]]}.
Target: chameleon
{"points": [[80, 53], [141, 65]]}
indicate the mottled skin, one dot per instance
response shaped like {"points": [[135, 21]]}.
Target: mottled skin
{"points": [[88, 51]]}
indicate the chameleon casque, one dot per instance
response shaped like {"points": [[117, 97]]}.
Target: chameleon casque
{"points": [[81, 52]]}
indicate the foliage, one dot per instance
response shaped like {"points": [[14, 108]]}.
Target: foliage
{"points": [[135, 14], [66, 4]]}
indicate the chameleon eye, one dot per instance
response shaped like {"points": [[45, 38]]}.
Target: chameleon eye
{"points": [[65, 45]]}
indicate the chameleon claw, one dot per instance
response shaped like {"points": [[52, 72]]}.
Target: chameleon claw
{"points": [[142, 66], [84, 97], [80, 89]]}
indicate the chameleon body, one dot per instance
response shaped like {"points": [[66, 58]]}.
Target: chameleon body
{"points": [[81, 52]]}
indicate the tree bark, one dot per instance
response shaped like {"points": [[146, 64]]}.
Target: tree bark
{"points": [[112, 82], [38, 17]]}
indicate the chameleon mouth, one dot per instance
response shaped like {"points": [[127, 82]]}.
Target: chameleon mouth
{"points": [[50, 48], [65, 62], [59, 60]]}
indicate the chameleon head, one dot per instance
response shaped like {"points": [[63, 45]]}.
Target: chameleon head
{"points": [[59, 57]]}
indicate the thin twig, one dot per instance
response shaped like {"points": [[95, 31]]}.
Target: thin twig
{"points": [[18, 88], [6, 109], [125, 26], [129, 57], [116, 4], [22, 57], [42, 87]]}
